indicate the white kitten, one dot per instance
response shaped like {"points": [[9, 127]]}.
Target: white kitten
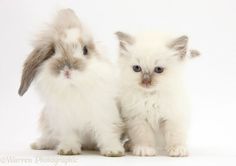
{"points": [[153, 97], [77, 84]]}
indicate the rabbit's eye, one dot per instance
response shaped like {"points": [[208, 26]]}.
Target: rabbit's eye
{"points": [[85, 50]]}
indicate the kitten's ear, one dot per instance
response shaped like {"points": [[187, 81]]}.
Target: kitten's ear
{"points": [[180, 44], [194, 53], [125, 40]]}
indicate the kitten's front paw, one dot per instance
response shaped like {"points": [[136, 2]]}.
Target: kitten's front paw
{"points": [[63, 149], [144, 151], [113, 152], [177, 151]]}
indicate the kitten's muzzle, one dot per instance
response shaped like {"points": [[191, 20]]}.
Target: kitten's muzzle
{"points": [[146, 79]]}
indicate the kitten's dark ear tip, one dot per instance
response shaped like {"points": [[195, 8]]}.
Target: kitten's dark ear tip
{"points": [[120, 34], [184, 38], [124, 37], [180, 43], [194, 53]]}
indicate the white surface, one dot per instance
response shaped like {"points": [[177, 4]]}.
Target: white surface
{"points": [[31, 158], [211, 26]]}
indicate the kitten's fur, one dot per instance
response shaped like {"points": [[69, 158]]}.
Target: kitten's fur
{"points": [[78, 88], [154, 102]]}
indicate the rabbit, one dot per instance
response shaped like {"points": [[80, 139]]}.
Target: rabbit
{"points": [[78, 86]]}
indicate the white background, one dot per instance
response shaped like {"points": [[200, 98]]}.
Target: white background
{"points": [[211, 26]]}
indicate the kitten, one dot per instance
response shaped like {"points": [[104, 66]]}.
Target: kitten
{"points": [[152, 97]]}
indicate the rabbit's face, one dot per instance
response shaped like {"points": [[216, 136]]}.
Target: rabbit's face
{"points": [[71, 56], [61, 52]]}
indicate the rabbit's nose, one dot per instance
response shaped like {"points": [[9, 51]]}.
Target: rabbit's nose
{"points": [[67, 72]]}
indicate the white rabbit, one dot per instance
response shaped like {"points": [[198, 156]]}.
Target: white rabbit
{"points": [[77, 84]]}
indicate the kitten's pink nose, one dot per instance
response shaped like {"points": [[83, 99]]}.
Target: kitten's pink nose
{"points": [[147, 80]]}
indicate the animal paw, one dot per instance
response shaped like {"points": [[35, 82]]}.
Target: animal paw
{"points": [[41, 146], [113, 152], [128, 146], [68, 150], [177, 151], [144, 151]]}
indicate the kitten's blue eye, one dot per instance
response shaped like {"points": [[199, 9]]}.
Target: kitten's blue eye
{"points": [[85, 50], [137, 68], [158, 69]]}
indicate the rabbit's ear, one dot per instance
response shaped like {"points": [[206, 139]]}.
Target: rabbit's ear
{"points": [[66, 18], [32, 64]]}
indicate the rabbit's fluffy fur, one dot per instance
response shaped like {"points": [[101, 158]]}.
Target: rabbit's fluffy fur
{"points": [[153, 103], [78, 86]]}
